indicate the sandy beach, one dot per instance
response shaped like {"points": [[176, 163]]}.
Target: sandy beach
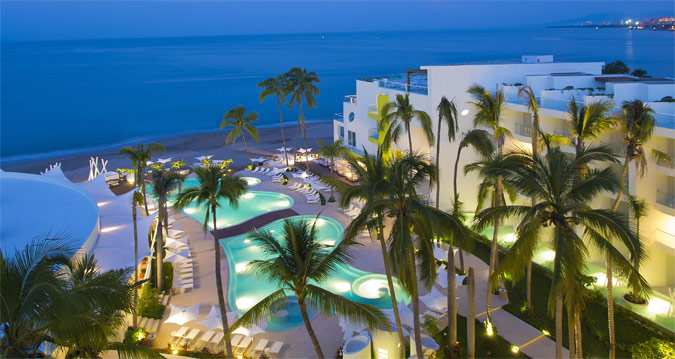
{"points": [[183, 147]]}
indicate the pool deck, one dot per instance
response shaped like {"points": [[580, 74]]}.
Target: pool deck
{"points": [[254, 223], [367, 258]]}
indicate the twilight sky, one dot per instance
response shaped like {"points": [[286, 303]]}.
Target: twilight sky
{"points": [[56, 20]]}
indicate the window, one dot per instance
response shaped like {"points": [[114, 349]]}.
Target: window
{"points": [[351, 138], [351, 117], [342, 133]]}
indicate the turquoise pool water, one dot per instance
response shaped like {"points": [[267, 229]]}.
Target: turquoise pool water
{"points": [[245, 288], [251, 205]]}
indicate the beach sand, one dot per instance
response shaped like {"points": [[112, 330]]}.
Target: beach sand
{"points": [[184, 147]]}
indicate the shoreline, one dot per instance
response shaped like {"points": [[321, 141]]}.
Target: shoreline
{"points": [[184, 146]]}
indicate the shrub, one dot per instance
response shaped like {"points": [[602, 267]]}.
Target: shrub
{"points": [[149, 305], [654, 349], [667, 99], [615, 67], [167, 272], [639, 73]]}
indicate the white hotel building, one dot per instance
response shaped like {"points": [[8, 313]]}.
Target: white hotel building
{"points": [[554, 83]]}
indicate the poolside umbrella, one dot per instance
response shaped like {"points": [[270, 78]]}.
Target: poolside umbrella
{"points": [[148, 163], [301, 150], [282, 149], [440, 253], [174, 243], [212, 320], [182, 315], [177, 256], [248, 331], [202, 158], [164, 160], [258, 159]]}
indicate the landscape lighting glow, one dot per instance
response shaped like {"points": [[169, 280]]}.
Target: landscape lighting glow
{"points": [[245, 303], [509, 238], [241, 267], [341, 286], [658, 306], [373, 288], [248, 195], [465, 112]]}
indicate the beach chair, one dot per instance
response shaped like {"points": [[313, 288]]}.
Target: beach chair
{"points": [[260, 346], [190, 336], [200, 343], [216, 339], [165, 299], [244, 344], [275, 348], [180, 332]]}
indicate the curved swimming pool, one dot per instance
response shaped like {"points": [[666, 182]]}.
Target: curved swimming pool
{"points": [[245, 288], [251, 204]]}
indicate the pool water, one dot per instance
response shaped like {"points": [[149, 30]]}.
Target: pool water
{"points": [[251, 204], [246, 288]]}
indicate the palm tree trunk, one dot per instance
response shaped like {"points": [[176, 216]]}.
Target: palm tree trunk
{"points": [[456, 206], [577, 324], [243, 137], [611, 330], [281, 127], [471, 317], [438, 168], [558, 326], [159, 248], [219, 288], [452, 303], [390, 280], [571, 350], [494, 246], [416, 305], [310, 330], [528, 288], [407, 130], [134, 220], [301, 117], [141, 178]]}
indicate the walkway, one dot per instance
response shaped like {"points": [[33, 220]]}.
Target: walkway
{"points": [[253, 224]]}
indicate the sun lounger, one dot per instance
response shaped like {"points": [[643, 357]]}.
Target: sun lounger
{"points": [[275, 348], [191, 335], [165, 299], [216, 339], [244, 344], [180, 332], [260, 346]]}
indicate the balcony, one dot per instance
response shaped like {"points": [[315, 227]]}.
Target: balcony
{"points": [[350, 99], [399, 82], [339, 117]]}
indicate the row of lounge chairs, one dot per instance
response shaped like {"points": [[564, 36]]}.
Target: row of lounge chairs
{"points": [[212, 340], [311, 195], [184, 269]]}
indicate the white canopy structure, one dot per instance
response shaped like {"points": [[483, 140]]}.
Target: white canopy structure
{"points": [[212, 320], [435, 300], [248, 331], [282, 149], [175, 257], [181, 315], [258, 159], [164, 160]]}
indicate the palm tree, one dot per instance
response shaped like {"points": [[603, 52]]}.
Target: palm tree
{"points": [[638, 126], [31, 278], [398, 116], [589, 122], [297, 261], [489, 110], [481, 142], [471, 316], [136, 200], [214, 186], [414, 225], [447, 112], [332, 150], [163, 183], [372, 173], [242, 125], [139, 156], [533, 106], [639, 209], [278, 87], [302, 89], [561, 204]]}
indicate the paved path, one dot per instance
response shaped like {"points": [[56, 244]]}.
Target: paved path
{"points": [[254, 223]]}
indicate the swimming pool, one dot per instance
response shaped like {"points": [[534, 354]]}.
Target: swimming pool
{"points": [[251, 205], [246, 288]]}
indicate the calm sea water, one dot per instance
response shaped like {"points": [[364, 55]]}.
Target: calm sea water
{"points": [[77, 94]]}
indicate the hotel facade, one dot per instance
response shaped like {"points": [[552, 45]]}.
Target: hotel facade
{"points": [[555, 84]]}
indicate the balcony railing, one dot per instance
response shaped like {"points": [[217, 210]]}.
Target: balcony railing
{"points": [[666, 199], [350, 99], [417, 88], [524, 129], [339, 117]]}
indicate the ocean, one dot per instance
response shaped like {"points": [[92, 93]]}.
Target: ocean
{"points": [[70, 95]]}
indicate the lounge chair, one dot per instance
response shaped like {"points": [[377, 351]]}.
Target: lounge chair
{"points": [[216, 339], [180, 332], [190, 336], [260, 346], [275, 348], [244, 344]]}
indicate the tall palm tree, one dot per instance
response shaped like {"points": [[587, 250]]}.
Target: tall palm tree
{"points": [[471, 316], [398, 116], [136, 200], [31, 278], [480, 141], [163, 183], [372, 171], [242, 125], [561, 204], [298, 260], [278, 87], [637, 123], [489, 110], [447, 112], [214, 185], [302, 90], [533, 107], [588, 122], [331, 151], [639, 209], [139, 156], [414, 225]]}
